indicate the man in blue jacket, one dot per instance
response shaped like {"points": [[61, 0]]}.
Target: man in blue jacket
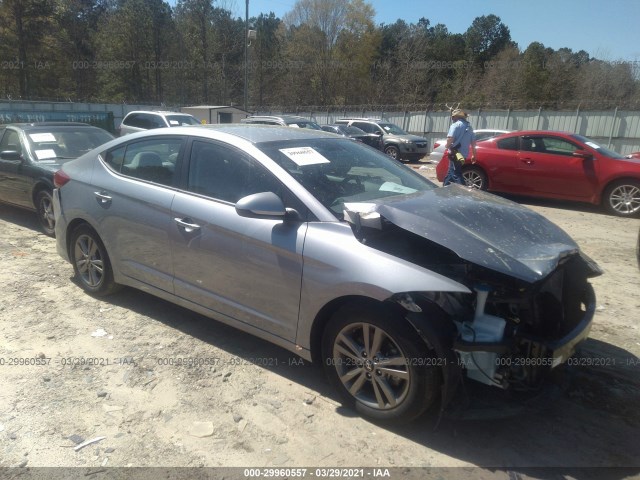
{"points": [[460, 139]]}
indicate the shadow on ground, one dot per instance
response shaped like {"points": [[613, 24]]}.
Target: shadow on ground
{"points": [[587, 418]]}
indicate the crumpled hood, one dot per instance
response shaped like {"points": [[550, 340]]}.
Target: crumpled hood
{"points": [[479, 227]]}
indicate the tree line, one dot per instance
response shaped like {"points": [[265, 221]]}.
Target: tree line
{"points": [[322, 53]]}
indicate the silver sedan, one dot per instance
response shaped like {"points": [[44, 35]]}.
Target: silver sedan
{"points": [[333, 250]]}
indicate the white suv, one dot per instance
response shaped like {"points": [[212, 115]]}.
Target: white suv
{"points": [[139, 121]]}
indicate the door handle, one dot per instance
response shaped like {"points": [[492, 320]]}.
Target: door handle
{"points": [[103, 198], [187, 224], [528, 161]]}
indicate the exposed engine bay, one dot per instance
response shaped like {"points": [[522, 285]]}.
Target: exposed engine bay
{"points": [[511, 329]]}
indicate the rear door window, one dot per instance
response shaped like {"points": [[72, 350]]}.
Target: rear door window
{"points": [[152, 160]]}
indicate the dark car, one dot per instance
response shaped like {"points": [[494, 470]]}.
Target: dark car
{"points": [[370, 139], [396, 142], [403, 291], [30, 153], [557, 165]]}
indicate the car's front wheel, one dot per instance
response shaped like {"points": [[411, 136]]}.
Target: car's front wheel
{"points": [[91, 263], [475, 178], [44, 209], [393, 152], [378, 364], [622, 198]]}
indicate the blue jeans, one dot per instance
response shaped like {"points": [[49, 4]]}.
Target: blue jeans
{"points": [[454, 173]]}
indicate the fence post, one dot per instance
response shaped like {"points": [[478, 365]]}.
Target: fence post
{"points": [[613, 125], [426, 118], [538, 118], [575, 123]]}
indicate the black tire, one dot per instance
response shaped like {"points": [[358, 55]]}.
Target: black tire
{"points": [[44, 209], [389, 378], [474, 177], [91, 263], [622, 198], [392, 151]]}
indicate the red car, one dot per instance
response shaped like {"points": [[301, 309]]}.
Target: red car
{"points": [[558, 165]]}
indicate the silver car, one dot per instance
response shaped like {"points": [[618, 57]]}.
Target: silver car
{"points": [[402, 290]]}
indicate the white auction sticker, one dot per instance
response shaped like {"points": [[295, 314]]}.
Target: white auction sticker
{"points": [[42, 137], [304, 156], [394, 187], [43, 154]]}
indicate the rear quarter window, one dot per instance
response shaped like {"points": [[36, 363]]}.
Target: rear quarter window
{"points": [[510, 143]]}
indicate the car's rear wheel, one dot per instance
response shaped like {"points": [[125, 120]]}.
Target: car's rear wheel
{"points": [[44, 208], [622, 198], [378, 365], [91, 263], [392, 151], [475, 178]]}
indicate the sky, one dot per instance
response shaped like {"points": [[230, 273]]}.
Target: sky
{"points": [[606, 29]]}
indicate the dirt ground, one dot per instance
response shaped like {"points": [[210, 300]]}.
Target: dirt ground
{"points": [[167, 387]]}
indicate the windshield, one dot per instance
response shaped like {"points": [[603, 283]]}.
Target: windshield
{"points": [[65, 142], [600, 149], [392, 128], [338, 171], [180, 120]]}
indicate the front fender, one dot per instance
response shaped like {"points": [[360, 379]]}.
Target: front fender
{"points": [[337, 265]]}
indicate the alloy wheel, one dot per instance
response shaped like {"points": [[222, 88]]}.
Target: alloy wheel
{"points": [[89, 261], [371, 366], [473, 179], [46, 215], [625, 199]]}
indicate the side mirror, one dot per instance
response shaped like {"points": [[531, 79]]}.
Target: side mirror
{"points": [[10, 155], [261, 205], [582, 154]]}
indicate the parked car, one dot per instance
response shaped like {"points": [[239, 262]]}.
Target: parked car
{"points": [[284, 121], [558, 165], [397, 143], [407, 290], [138, 121], [30, 153], [370, 139], [439, 146]]}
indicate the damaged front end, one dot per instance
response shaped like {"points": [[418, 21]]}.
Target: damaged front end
{"points": [[531, 304]]}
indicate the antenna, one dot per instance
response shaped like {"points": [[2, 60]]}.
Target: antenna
{"points": [[451, 109]]}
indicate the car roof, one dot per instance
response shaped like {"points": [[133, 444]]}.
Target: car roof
{"points": [[35, 125], [159, 112], [254, 133], [539, 132], [280, 117], [365, 119]]}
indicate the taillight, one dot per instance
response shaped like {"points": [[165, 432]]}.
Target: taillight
{"points": [[60, 178], [436, 145]]}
